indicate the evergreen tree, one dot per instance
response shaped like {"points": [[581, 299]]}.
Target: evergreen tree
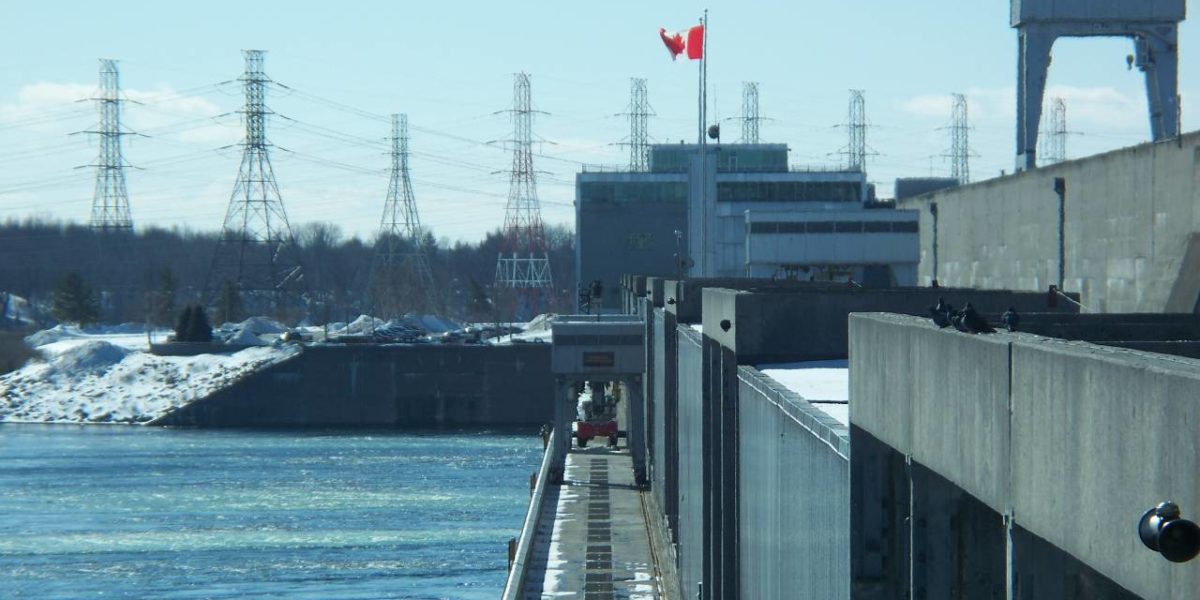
{"points": [[229, 305], [74, 301], [183, 324], [199, 329]]}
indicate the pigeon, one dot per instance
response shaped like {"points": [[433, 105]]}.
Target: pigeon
{"points": [[1010, 319], [956, 319], [941, 313], [974, 322]]}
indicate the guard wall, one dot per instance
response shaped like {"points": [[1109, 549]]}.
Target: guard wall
{"points": [[793, 488], [387, 386], [1129, 220], [693, 453], [1061, 446]]}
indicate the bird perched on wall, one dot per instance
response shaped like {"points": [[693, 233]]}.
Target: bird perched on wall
{"points": [[956, 319], [973, 322], [941, 313], [1010, 319]]}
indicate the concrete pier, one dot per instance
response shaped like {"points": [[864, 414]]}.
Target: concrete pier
{"points": [[594, 540]]}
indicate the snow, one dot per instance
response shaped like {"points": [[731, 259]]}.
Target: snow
{"points": [[110, 378], [816, 381], [540, 322], [15, 308], [261, 326], [538, 336], [62, 337], [245, 337], [434, 323]]}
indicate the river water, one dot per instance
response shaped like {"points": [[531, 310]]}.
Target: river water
{"points": [[122, 511]]}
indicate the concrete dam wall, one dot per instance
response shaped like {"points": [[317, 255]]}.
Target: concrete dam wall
{"points": [[1129, 223], [1036, 455], [387, 386]]}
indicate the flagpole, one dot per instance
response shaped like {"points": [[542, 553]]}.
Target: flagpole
{"points": [[703, 250]]}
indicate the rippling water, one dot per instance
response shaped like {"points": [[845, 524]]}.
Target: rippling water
{"points": [[121, 511]]}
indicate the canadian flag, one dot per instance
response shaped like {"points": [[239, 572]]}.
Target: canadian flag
{"points": [[676, 44]]}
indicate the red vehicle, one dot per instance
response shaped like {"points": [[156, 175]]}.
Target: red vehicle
{"points": [[597, 413], [586, 430]]}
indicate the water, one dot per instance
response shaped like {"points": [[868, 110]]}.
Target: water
{"points": [[115, 511]]}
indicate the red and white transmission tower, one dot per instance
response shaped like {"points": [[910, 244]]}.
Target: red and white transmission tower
{"points": [[523, 264]]}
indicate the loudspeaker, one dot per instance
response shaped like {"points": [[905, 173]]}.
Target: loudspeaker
{"points": [[1162, 530]]}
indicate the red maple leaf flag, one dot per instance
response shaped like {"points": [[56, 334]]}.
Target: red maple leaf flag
{"points": [[676, 44], [673, 41], [695, 42]]}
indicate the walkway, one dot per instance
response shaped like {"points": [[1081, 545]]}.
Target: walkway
{"points": [[592, 543]]}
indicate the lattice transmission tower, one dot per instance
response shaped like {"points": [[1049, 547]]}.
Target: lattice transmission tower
{"points": [[960, 143], [110, 204], [524, 263], [750, 116], [256, 253], [639, 113], [856, 127], [401, 280], [1054, 134]]}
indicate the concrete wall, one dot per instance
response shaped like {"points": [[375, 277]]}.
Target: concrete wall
{"points": [[1130, 220], [1066, 442], [793, 490], [387, 386], [662, 401], [810, 324], [692, 535]]}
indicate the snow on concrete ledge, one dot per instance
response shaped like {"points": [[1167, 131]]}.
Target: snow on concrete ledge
{"points": [[824, 383]]}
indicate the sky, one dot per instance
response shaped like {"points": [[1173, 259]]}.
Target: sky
{"points": [[343, 67]]}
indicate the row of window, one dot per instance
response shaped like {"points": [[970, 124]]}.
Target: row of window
{"points": [[629, 192], [727, 191], [788, 191], [834, 227]]}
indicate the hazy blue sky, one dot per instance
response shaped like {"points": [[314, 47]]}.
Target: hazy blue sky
{"points": [[449, 65]]}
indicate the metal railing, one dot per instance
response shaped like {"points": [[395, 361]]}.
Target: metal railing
{"points": [[514, 586]]}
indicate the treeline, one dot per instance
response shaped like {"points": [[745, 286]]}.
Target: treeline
{"points": [[150, 275]]}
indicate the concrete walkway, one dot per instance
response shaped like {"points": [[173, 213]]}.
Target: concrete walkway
{"points": [[592, 541]]}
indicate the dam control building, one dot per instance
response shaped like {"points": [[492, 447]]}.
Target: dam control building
{"points": [[741, 212]]}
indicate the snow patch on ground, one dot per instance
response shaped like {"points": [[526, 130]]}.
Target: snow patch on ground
{"points": [[88, 380], [90, 356]]}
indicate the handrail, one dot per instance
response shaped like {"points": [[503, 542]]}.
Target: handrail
{"points": [[514, 586], [1064, 295]]}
